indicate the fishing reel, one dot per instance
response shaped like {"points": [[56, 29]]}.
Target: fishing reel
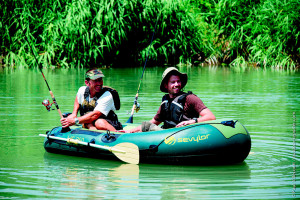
{"points": [[48, 105], [138, 107]]}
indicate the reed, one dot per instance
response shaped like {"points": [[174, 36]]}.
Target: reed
{"points": [[262, 33], [86, 33]]}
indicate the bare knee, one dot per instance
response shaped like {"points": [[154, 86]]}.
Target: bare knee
{"points": [[90, 126], [102, 124]]}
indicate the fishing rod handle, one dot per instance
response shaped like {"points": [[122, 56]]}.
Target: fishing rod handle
{"points": [[55, 103]]}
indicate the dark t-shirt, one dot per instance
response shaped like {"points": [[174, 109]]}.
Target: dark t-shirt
{"points": [[192, 107]]}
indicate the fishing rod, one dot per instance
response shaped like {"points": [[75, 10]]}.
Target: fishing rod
{"points": [[45, 103], [136, 105]]}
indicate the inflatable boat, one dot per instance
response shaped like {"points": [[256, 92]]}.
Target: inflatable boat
{"points": [[212, 142]]}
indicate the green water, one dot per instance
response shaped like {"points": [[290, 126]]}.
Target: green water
{"points": [[265, 101]]}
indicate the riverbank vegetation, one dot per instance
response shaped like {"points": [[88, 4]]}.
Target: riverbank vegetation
{"points": [[83, 33]]}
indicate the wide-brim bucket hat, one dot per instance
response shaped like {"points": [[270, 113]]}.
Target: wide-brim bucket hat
{"points": [[172, 71]]}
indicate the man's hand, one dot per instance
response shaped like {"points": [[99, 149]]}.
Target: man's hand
{"points": [[184, 123], [123, 131], [66, 122]]}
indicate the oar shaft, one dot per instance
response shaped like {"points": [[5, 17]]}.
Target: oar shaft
{"points": [[73, 141]]}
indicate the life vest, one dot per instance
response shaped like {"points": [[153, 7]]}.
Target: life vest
{"points": [[173, 110], [89, 106]]}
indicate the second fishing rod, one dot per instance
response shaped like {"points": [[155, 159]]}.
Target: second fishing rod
{"points": [[135, 103]]}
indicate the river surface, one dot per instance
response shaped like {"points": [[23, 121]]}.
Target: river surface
{"points": [[266, 102]]}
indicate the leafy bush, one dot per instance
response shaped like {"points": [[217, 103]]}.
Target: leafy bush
{"points": [[86, 33], [264, 33]]}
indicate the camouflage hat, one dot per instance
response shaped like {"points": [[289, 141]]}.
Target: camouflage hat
{"points": [[172, 71], [94, 74]]}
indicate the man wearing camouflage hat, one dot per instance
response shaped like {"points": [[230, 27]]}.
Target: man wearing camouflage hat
{"points": [[96, 105]]}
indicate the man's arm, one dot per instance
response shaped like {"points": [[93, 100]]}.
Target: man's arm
{"points": [[205, 114], [75, 109], [153, 121], [87, 118]]}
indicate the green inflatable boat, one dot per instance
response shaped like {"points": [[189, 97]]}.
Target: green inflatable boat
{"points": [[212, 142]]}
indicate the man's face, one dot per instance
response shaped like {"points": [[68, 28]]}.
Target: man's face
{"points": [[174, 85], [95, 85]]}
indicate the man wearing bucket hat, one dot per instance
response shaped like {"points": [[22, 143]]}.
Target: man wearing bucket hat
{"points": [[96, 105], [177, 108]]}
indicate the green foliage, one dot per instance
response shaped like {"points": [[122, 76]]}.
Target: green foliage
{"points": [[88, 33], [264, 33], [95, 33]]}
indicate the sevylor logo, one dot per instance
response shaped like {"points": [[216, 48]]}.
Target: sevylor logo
{"points": [[172, 140]]}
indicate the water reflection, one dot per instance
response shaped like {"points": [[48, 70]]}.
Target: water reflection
{"points": [[103, 177], [114, 178], [192, 182]]}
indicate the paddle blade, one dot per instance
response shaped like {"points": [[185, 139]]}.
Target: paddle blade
{"points": [[127, 152], [130, 120]]}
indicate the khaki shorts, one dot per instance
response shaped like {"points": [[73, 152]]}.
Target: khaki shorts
{"points": [[148, 126]]}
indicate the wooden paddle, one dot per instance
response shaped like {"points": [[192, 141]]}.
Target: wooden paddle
{"points": [[127, 152]]}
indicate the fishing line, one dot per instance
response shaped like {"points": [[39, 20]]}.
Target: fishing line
{"points": [[40, 67], [148, 51], [135, 104]]}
